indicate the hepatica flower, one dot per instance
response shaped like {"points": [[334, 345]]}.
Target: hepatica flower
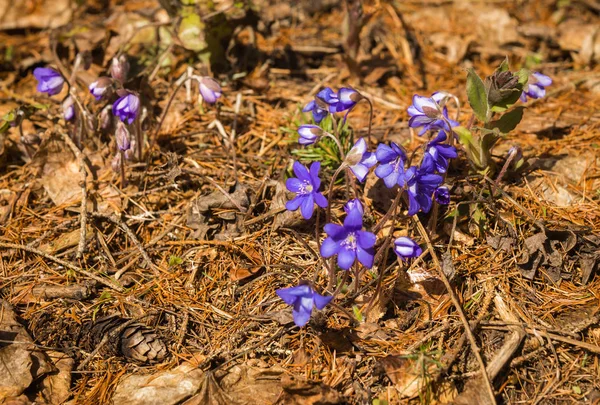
{"points": [[442, 195], [309, 134], [391, 164], [302, 299], [359, 160], [354, 204], [324, 102], [441, 152], [429, 114], [538, 88], [210, 89], [99, 87], [306, 186], [127, 107], [421, 183], [406, 248], [68, 109], [49, 81], [347, 99], [349, 242]]}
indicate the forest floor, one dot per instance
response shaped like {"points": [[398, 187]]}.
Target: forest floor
{"points": [[161, 289]]}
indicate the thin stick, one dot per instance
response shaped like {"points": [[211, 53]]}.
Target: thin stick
{"points": [[459, 309], [107, 282], [117, 221]]}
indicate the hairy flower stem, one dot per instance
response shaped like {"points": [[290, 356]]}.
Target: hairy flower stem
{"points": [[382, 268], [370, 119], [337, 142], [330, 191], [389, 213], [122, 168]]}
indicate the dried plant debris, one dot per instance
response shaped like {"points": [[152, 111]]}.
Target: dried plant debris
{"points": [[134, 341]]}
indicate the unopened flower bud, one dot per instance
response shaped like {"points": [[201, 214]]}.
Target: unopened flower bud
{"points": [[122, 137], [309, 134], [210, 89], [100, 87], [68, 109], [119, 68], [105, 118], [116, 162]]}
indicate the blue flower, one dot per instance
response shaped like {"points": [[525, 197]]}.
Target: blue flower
{"points": [[127, 107], [391, 164], [442, 195], [429, 114], [210, 89], [325, 102], [99, 87], [354, 204], [49, 81], [537, 89], [421, 183], [441, 152], [309, 134], [349, 242], [347, 99], [303, 298], [406, 248], [306, 186], [359, 160]]}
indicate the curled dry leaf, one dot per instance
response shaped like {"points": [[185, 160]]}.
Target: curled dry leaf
{"points": [[34, 14]]}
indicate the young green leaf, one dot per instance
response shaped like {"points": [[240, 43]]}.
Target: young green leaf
{"points": [[508, 121], [477, 95]]}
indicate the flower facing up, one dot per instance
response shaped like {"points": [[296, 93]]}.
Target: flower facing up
{"points": [[442, 195], [406, 248], [359, 160], [309, 134], [391, 164], [68, 109], [538, 88], [429, 114], [210, 90], [441, 152], [49, 81], [302, 298], [122, 137], [349, 242], [325, 102], [100, 87], [127, 107], [354, 204], [306, 186], [421, 182]]}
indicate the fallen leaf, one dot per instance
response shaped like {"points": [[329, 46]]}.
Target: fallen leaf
{"points": [[34, 14], [296, 392], [56, 386]]}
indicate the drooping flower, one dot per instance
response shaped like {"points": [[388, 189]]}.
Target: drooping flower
{"points": [[324, 102], [119, 68], [421, 183], [536, 89], [391, 164], [428, 113], [347, 99], [210, 89], [359, 160], [349, 242], [306, 186], [302, 298], [127, 107], [99, 87], [406, 248], [68, 109], [354, 204], [309, 134], [49, 80], [442, 195], [441, 152]]}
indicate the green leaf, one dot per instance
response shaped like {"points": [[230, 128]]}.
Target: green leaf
{"points": [[357, 314], [191, 32], [504, 66], [508, 121], [472, 148], [477, 95]]}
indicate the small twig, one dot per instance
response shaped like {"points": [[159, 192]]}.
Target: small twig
{"points": [[117, 221], [107, 282], [459, 309]]}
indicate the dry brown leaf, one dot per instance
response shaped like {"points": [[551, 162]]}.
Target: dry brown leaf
{"points": [[56, 387], [296, 392], [582, 40], [34, 14]]}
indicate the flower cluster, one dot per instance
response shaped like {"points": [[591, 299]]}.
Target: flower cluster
{"points": [[327, 101]]}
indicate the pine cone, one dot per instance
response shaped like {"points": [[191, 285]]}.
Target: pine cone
{"points": [[135, 342]]}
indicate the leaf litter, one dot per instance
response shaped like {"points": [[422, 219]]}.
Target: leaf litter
{"points": [[237, 244]]}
